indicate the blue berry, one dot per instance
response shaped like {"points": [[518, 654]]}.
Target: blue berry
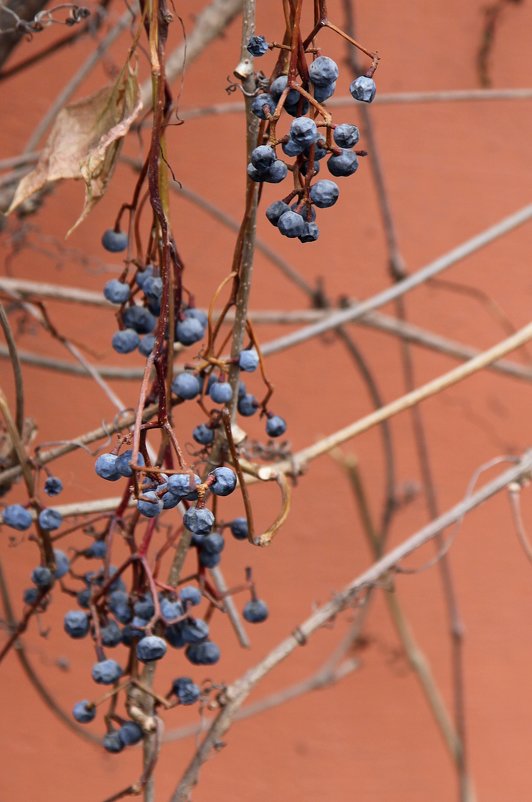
{"points": [[292, 148], [291, 225], [53, 486], [346, 163], [170, 610], [105, 467], [130, 733], [203, 434], [186, 690], [83, 598], [119, 606], [203, 654], [363, 88], [212, 544], [275, 426], [146, 344], [277, 88], [190, 595], [194, 630], [138, 318], [255, 611], [275, 210], [224, 481], [111, 634], [42, 577], [303, 131], [116, 292], [123, 463], [324, 92], [247, 405], [324, 193], [131, 634], [144, 608], [150, 505], [323, 71], [248, 360], [221, 392], [76, 624], [276, 173], [50, 519], [174, 635], [96, 550], [297, 109], [209, 560], [199, 521], [261, 103], [239, 528], [257, 46], [17, 517], [114, 241], [106, 672], [184, 485], [125, 341], [197, 314], [151, 648], [30, 595], [186, 385], [346, 135], [262, 157], [112, 743], [62, 564], [142, 275], [310, 234], [153, 288], [189, 331], [84, 712]]}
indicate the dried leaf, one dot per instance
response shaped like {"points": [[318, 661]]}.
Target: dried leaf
{"points": [[85, 141]]}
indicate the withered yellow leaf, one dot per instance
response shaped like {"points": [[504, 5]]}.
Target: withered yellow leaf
{"points": [[85, 141]]}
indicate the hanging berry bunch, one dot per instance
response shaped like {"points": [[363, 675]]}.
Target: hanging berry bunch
{"points": [[302, 82]]}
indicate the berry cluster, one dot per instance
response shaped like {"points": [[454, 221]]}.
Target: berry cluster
{"points": [[312, 137]]}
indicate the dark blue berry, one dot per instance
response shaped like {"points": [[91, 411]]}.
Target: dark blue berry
{"points": [[114, 241], [186, 385], [346, 163], [239, 528], [275, 210], [138, 318], [111, 634], [150, 504], [106, 672], [203, 654], [130, 733], [42, 577], [190, 595], [84, 712], [224, 481], [323, 71], [291, 225], [17, 517], [125, 341], [186, 690], [146, 344], [189, 331], [247, 405], [261, 103], [303, 131], [324, 193], [116, 292], [123, 463], [199, 521], [275, 426], [105, 467], [363, 88], [112, 743], [151, 648], [346, 135], [203, 434], [221, 392], [257, 46], [53, 486], [255, 611], [76, 624]]}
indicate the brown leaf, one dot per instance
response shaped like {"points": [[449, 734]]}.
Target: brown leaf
{"points": [[85, 141]]}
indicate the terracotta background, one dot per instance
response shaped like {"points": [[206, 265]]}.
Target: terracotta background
{"points": [[452, 169]]}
